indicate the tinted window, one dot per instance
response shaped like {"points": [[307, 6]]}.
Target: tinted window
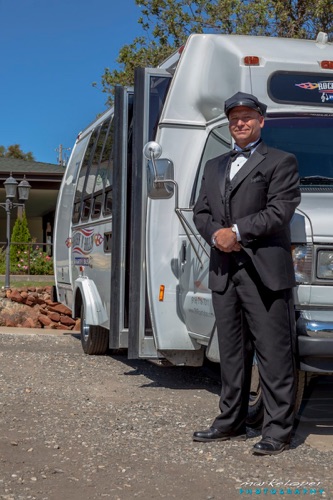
{"points": [[218, 143], [103, 174], [301, 88], [310, 139], [82, 175], [159, 86], [95, 174]]}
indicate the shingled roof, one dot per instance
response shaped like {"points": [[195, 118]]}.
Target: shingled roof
{"points": [[27, 167], [44, 179]]}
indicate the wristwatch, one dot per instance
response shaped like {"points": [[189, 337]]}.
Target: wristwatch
{"points": [[233, 229], [214, 240]]}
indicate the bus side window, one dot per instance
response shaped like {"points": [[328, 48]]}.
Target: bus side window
{"points": [[104, 175], [82, 176], [218, 142], [92, 177], [97, 204], [108, 202]]}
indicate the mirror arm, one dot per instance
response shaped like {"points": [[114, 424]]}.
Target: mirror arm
{"points": [[185, 223], [188, 230], [152, 158]]}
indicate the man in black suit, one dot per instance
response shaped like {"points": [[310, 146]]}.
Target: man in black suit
{"points": [[243, 211]]}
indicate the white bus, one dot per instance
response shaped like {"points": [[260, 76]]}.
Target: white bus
{"points": [[128, 259]]}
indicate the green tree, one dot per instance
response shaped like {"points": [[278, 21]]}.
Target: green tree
{"points": [[167, 23], [15, 151], [20, 234]]}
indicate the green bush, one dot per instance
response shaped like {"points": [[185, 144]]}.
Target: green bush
{"points": [[20, 234], [38, 261], [25, 257]]}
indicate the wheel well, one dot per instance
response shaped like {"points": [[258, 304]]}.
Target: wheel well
{"points": [[78, 303]]}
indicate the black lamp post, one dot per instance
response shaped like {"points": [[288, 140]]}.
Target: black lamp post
{"points": [[11, 186]]}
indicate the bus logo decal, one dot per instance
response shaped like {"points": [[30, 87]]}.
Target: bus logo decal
{"points": [[83, 241], [324, 88]]}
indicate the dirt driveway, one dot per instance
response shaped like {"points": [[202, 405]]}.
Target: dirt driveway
{"points": [[76, 427]]}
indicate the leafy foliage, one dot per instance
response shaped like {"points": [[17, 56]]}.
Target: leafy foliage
{"points": [[15, 151], [166, 24], [20, 234], [33, 261]]}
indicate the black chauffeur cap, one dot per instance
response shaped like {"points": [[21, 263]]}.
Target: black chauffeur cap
{"points": [[243, 99]]}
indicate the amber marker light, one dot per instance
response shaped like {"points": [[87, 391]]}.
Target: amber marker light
{"points": [[251, 61], [326, 64], [161, 295]]}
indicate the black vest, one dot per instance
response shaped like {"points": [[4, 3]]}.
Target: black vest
{"points": [[240, 258]]}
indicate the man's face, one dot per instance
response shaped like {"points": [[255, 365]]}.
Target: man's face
{"points": [[245, 125]]}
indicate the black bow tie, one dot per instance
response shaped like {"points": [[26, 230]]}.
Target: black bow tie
{"points": [[243, 152]]}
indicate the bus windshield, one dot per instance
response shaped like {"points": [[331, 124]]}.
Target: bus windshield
{"points": [[309, 138]]}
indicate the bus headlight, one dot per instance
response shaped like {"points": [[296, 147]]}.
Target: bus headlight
{"points": [[302, 258], [325, 264]]}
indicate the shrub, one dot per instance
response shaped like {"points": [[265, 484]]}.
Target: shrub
{"points": [[20, 234], [38, 262]]}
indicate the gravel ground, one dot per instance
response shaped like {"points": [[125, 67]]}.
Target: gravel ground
{"points": [[77, 427]]}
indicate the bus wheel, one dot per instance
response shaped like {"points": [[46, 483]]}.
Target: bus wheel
{"points": [[255, 413], [94, 339]]}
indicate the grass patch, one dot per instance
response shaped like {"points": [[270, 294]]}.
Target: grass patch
{"points": [[21, 282]]}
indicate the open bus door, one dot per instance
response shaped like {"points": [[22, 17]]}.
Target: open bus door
{"points": [[121, 182], [151, 87]]}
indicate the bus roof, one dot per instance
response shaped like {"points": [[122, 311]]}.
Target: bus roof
{"points": [[213, 67]]}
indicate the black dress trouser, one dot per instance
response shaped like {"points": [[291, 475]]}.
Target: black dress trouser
{"points": [[270, 329]]}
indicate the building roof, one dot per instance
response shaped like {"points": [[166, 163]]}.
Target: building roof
{"points": [[44, 179], [29, 167]]}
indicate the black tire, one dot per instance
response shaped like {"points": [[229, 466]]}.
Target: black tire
{"points": [[255, 414], [94, 339]]}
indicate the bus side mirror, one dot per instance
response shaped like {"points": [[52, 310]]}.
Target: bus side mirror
{"points": [[160, 173]]}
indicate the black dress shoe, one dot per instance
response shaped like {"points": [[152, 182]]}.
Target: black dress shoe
{"points": [[213, 434], [269, 446]]}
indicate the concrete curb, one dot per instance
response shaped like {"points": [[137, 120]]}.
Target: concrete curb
{"points": [[35, 331]]}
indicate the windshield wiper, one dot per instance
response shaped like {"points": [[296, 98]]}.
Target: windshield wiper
{"points": [[315, 180]]}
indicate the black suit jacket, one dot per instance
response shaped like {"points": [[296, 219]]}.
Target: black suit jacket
{"points": [[261, 200]]}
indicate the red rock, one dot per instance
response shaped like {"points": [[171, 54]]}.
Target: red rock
{"points": [[29, 323], [60, 308], [65, 320], [16, 296], [62, 327], [44, 320], [30, 301], [54, 316], [50, 302]]}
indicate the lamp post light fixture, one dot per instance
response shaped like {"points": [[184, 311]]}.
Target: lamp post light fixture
{"points": [[11, 187]]}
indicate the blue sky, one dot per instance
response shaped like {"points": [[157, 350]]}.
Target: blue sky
{"points": [[51, 51]]}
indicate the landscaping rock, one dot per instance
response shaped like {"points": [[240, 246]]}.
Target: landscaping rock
{"points": [[32, 307]]}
